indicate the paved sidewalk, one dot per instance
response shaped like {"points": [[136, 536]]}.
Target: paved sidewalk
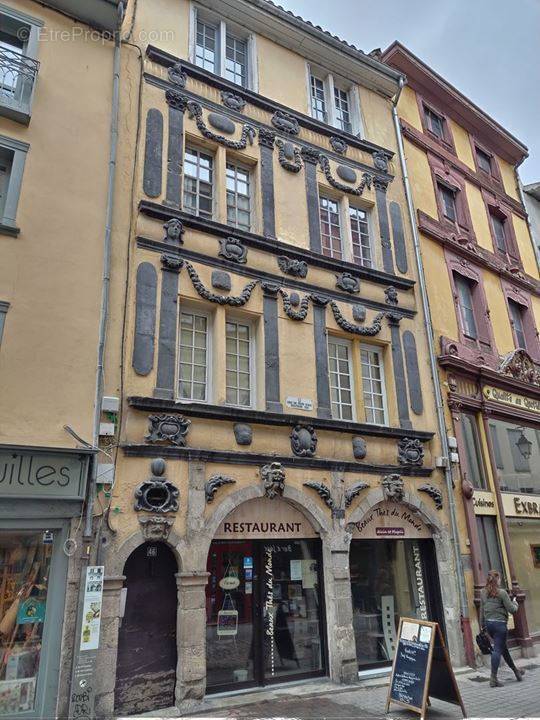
{"points": [[323, 700]]}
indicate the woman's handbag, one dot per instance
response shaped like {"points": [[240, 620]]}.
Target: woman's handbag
{"points": [[484, 642]]}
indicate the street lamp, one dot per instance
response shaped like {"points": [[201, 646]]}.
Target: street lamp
{"points": [[524, 445]]}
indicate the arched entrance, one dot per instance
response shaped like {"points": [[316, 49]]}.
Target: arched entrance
{"points": [[147, 658], [264, 598], [393, 574]]}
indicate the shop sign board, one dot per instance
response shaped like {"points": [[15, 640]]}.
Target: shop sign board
{"points": [[265, 519], [389, 519], [484, 503], [421, 668], [36, 474], [524, 506], [508, 398]]}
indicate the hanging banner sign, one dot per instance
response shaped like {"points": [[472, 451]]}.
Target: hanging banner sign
{"points": [[508, 398]]}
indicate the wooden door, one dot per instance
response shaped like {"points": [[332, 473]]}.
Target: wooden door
{"points": [[146, 666]]}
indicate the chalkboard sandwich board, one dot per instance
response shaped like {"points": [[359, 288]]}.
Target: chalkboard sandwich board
{"points": [[421, 668]]}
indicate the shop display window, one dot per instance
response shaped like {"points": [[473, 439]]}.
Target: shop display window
{"points": [[525, 549], [517, 456], [25, 560]]}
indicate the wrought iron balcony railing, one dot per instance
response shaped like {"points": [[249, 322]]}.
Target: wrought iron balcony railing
{"points": [[17, 78]]}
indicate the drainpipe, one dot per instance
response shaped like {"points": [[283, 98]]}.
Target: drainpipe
{"points": [[106, 273], [454, 535]]}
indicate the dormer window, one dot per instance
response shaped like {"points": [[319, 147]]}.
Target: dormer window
{"points": [[332, 100]]}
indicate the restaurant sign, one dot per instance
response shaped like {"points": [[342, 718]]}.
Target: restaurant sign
{"points": [[525, 506], [37, 474], [520, 402], [390, 520]]}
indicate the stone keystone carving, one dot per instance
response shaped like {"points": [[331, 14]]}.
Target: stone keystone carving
{"points": [[157, 494], [393, 488], [174, 229], [434, 493], [273, 477], [216, 481], [304, 440], [155, 527], [231, 248], [410, 452], [168, 428]]}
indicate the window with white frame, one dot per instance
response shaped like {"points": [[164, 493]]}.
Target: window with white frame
{"points": [[318, 101], [12, 159], [342, 110], [223, 49], [193, 373], [329, 213], [238, 363], [238, 196], [341, 390], [360, 239], [333, 101], [373, 385], [198, 182]]}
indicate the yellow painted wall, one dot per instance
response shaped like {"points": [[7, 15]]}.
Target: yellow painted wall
{"points": [[282, 75], [509, 178], [525, 246], [462, 143], [51, 273], [421, 182], [441, 301], [500, 322], [408, 108], [479, 216]]}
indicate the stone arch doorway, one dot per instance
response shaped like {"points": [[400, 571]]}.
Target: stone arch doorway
{"points": [[394, 574], [265, 616], [147, 654]]}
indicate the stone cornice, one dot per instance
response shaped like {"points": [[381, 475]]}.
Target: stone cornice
{"points": [[283, 281], [446, 234], [167, 60], [428, 145], [258, 459], [164, 213], [261, 417]]}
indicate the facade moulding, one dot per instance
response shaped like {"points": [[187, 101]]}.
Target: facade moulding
{"points": [[259, 242], [260, 417], [488, 376], [160, 57], [428, 145], [243, 458], [447, 235]]}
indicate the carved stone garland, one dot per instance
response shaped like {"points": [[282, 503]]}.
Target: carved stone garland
{"points": [[232, 300], [433, 493], [369, 331], [366, 181], [294, 165], [354, 491], [291, 313], [248, 131], [324, 493], [211, 486]]}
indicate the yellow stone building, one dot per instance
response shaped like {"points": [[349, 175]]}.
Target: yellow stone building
{"points": [[280, 493], [55, 104], [484, 294]]}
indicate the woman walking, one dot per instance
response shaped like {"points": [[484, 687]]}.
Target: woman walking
{"points": [[496, 604]]}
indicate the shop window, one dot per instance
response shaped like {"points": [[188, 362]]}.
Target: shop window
{"points": [[520, 461], [373, 386], [239, 363], [490, 547], [238, 183], [331, 240], [198, 182], [473, 452], [496, 446], [525, 548], [535, 550], [224, 49], [25, 563], [517, 457], [341, 390], [193, 376]]}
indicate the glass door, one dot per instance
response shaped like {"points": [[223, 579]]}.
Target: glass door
{"points": [[291, 609]]}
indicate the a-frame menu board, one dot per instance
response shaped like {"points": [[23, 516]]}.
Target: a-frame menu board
{"points": [[421, 668]]}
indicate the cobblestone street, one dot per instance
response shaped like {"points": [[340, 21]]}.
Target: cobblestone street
{"points": [[513, 700]]}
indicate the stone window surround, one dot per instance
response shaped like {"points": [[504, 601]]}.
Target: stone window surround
{"points": [[344, 202], [23, 112], [442, 174], [447, 141], [485, 341], [495, 207], [223, 27], [8, 225], [523, 299], [495, 174], [330, 81]]}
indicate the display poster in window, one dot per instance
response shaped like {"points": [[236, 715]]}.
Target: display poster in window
{"points": [[421, 668], [93, 596], [227, 623]]}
